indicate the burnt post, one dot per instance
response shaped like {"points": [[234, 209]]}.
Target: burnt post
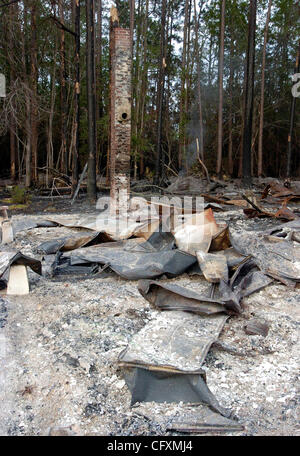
{"points": [[120, 111]]}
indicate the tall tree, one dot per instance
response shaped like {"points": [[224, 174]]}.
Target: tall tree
{"points": [[221, 70], [77, 96], [63, 90], [183, 90], [249, 86], [160, 89], [91, 98], [262, 94], [34, 91], [292, 120], [198, 57], [13, 126]]}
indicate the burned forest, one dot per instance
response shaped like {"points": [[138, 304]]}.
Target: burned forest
{"points": [[149, 220]]}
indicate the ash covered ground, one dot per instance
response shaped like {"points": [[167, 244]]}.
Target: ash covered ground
{"points": [[60, 344]]}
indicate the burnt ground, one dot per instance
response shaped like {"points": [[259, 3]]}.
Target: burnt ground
{"points": [[59, 347]]}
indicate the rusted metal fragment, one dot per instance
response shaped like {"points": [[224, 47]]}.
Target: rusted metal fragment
{"points": [[206, 427], [256, 327], [285, 213], [278, 190], [258, 211], [220, 240], [174, 297], [229, 202]]}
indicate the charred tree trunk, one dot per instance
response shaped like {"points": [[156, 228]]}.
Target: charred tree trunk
{"points": [[183, 94], [160, 90], [63, 92], [230, 122], [201, 136], [220, 110], [249, 77], [77, 97], [34, 105], [91, 97], [12, 120], [262, 95]]}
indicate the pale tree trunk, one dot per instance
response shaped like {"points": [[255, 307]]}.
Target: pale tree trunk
{"points": [[262, 95], [292, 120], [91, 97], [220, 109]]}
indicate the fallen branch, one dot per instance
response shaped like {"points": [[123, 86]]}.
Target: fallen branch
{"points": [[201, 162]]}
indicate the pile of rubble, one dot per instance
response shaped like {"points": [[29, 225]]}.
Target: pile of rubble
{"points": [[164, 362]]}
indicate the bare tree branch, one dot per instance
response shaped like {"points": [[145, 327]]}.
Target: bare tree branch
{"points": [[9, 3], [62, 26]]}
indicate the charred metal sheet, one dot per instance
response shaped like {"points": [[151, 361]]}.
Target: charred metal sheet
{"points": [[162, 239], [174, 340], [191, 415], [233, 258], [62, 266], [117, 228], [254, 281], [137, 264], [78, 240], [201, 420], [148, 385], [174, 297], [13, 257], [30, 223], [246, 280], [293, 226], [283, 258], [163, 361]]}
